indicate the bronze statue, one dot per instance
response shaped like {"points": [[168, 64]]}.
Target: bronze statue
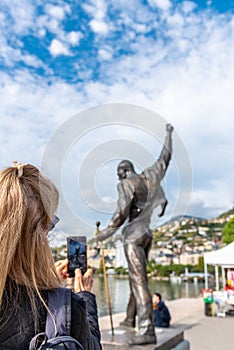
{"points": [[139, 195]]}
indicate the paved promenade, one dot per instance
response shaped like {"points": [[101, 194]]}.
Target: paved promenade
{"points": [[203, 333]]}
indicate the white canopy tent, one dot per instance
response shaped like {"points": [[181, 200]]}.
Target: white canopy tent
{"points": [[223, 257]]}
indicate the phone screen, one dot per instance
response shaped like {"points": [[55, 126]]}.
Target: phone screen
{"points": [[76, 254]]}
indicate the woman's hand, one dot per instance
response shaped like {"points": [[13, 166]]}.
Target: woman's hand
{"points": [[61, 268], [83, 283], [79, 282]]}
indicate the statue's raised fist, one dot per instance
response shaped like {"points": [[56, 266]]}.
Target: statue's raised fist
{"points": [[169, 128]]}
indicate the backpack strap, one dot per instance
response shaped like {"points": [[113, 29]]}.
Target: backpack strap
{"points": [[59, 303]]}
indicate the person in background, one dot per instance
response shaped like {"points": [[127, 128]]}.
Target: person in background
{"points": [[161, 313], [28, 202]]}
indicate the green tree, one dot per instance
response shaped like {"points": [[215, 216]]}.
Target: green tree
{"points": [[121, 270], [200, 265], [228, 232]]}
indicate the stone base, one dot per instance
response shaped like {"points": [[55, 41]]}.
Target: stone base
{"points": [[184, 345], [167, 339]]}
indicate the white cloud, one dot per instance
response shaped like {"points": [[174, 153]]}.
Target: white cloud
{"points": [[98, 26], [96, 8], [141, 28], [104, 54], [53, 25], [162, 4], [57, 48], [55, 11], [215, 198], [52, 22], [176, 20], [188, 6], [42, 32], [62, 39], [22, 14], [74, 38], [11, 56]]}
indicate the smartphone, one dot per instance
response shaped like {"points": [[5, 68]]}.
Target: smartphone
{"points": [[76, 254]]}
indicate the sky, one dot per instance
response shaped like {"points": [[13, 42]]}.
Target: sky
{"points": [[86, 84]]}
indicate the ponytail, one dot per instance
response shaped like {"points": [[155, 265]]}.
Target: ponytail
{"points": [[28, 202]]}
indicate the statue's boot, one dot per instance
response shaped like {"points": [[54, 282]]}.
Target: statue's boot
{"points": [[128, 323], [144, 336]]}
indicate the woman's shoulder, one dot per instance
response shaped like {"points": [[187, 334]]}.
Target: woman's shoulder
{"points": [[76, 300], [82, 298]]}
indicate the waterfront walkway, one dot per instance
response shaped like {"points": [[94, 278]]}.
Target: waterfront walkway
{"points": [[203, 332]]}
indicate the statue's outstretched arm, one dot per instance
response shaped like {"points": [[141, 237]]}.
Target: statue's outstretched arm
{"points": [[166, 152], [122, 212], [106, 233]]}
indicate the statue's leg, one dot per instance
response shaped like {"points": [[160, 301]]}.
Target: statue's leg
{"points": [[130, 320], [131, 308], [136, 254]]}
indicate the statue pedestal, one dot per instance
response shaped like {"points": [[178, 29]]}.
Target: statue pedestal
{"points": [[171, 338]]}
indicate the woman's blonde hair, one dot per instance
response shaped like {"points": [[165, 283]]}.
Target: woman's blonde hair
{"points": [[28, 201]]}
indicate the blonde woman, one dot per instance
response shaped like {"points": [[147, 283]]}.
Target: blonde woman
{"points": [[28, 202]]}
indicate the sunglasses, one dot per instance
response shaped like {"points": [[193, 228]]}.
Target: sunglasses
{"points": [[53, 223]]}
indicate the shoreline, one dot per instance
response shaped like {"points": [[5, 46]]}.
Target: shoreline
{"points": [[181, 310]]}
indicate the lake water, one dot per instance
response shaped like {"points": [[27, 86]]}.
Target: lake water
{"points": [[119, 292]]}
